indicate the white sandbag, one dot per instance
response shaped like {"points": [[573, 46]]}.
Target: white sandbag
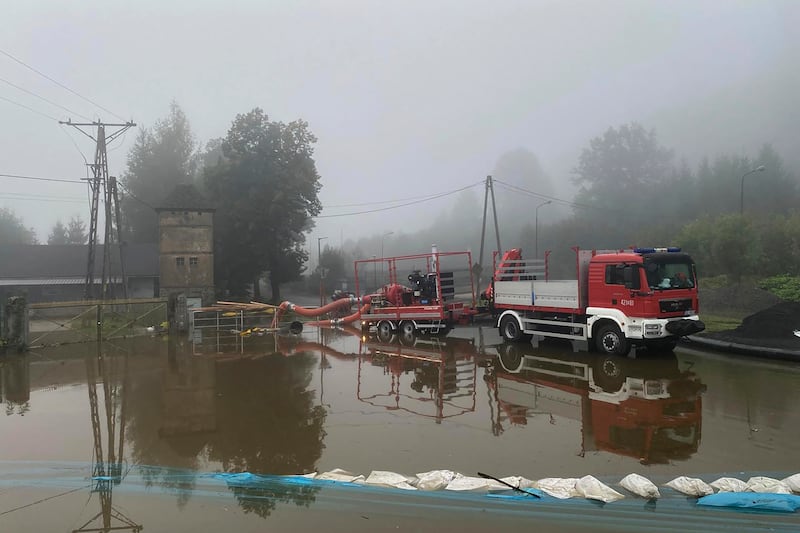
{"points": [[767, 484], [467, 483], [793, 482], [558, 487], [691, 486], [382, 478], [434, 479], [337, 474], [641, 486], [593, 489], [729, 484], [518, 482]]}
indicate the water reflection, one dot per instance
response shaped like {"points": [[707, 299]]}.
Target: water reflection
{"points": [[15, 384], [648, 408], [249, 412]]}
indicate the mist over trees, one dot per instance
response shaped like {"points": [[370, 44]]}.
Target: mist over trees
{"points": [[13, 230], [265, 185], [73, 233], [161, 158]]}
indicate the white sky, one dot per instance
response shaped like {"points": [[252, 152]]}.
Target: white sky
{"points": [[407, 98]]}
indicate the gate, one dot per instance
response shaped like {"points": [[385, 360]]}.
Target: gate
{"points": [[57, 323]]}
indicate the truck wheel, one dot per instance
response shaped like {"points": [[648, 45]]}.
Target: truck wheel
{"points": [[609, 373], [407, 328], [510, 330], [611, 340], [384, 330]]}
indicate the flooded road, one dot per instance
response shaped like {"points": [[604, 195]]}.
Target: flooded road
{"points": [[168, 417]]}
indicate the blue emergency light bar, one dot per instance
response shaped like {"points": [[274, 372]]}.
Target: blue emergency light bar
{"points": [[654, 250]]}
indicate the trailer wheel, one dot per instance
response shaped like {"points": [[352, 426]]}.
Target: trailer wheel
{"points": [[408, 328], [610, 340], [384, 329], [510, 330]]}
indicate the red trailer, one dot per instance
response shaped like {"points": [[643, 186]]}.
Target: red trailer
{"points": [[439, 292]]}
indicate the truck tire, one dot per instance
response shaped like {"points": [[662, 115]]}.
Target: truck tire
{"points": [[384, 330], [408, 328], [510, 330], [610, 340]]}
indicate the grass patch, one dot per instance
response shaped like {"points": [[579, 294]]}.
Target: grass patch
{"points": [[715, 323], [785, 287]]}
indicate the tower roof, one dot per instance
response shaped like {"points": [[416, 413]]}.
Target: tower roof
{"points": [[185, 197]]}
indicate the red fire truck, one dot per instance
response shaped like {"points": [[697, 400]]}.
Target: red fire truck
{"points": [[620, 299]]}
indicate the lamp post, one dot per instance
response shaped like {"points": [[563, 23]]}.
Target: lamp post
{"points": [[321, 271], [536, 240], [760, 168], [383, 237]]}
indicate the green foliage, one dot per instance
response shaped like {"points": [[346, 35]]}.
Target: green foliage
{"points": [[58, 235], [265, 185], [76, 231], [160, 159], [783, 286], [12, 229]]}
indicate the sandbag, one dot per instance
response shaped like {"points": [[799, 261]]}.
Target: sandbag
{"points": [[383, 478], [337, 474], [434, 479], [793, 482], [690, 486], [641, 486], [467, 483], [593, 489], [729, 484], [767, 485], [557, 487]]}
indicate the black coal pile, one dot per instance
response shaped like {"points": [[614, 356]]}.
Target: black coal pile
{"points": [[776, 322]]}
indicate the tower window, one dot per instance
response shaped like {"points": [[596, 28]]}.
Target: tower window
{"points": [[192, 261], [179, 261]]}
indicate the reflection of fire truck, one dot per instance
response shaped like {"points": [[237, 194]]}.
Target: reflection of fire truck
{"points": [[428, 376], [643, 408], [439, 293]]}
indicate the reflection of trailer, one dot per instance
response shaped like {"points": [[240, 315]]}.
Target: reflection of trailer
{"points": [[442, 376], [647, 408], [439, 294]]}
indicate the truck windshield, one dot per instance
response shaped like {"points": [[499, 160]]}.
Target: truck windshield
{"points": [[669, 275]]}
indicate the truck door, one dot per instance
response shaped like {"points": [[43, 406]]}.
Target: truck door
{"points": [[622, 284]]}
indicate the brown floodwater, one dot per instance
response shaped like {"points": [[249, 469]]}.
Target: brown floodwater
{"points": [[174, 420]]}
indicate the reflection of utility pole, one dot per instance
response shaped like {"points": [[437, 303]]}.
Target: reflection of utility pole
{"points": [[100, 180], [107, 472]]}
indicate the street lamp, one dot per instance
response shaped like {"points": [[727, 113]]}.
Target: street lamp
{"points": [[536, 241], [383, 237], [741, 197], [321, 271]]}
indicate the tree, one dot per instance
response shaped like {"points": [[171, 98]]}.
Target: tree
{"points": [[76, 231], [13, 230], [160, 159], [265, 185], [58, 235]]}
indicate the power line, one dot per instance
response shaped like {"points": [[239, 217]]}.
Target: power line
{"points": [[42, 74], [32, 110], [37, 178], [515, 188], [426, 199], [40, 198], [23, 89]]}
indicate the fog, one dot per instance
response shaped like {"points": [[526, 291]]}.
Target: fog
{"points": [[407, 99]]}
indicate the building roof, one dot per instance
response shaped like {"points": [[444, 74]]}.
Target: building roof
{"points": [[33, 261], [185, 197]]}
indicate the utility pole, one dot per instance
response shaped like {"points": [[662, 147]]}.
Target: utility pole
{"points": [[489, 188], [100, 180]]}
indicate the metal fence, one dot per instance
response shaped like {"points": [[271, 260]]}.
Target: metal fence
{"points": [[57, 323]]}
